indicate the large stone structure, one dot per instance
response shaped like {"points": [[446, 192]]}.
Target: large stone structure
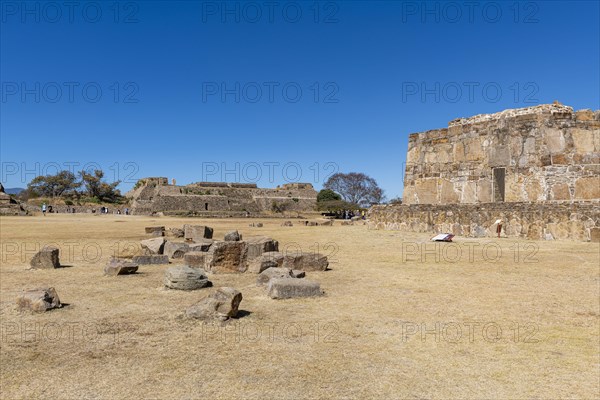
{"points": [[9, 206], [536, 154], [153, 195], [536, 168]]}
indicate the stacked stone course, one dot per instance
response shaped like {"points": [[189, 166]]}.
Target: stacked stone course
{"points": [[536, 168]]}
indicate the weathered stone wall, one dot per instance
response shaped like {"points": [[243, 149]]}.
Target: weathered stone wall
{"points": [[8, 206], [549, 153], [201, 198], [576, 221]]}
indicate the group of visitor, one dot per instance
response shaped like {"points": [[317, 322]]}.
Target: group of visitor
{"points": [[103, 210]]}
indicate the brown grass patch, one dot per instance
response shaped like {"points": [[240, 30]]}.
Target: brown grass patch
{"points": [[124, 337]]}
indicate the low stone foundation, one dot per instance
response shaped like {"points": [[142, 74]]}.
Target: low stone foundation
{"points": [[574, 221]]}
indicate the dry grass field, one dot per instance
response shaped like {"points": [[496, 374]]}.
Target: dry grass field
{"points": [[401, 318]]}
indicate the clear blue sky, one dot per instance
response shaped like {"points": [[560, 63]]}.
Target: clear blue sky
{"points": [[369, 74]]}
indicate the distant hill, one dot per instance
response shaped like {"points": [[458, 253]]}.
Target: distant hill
{"points": [[14, 191]]}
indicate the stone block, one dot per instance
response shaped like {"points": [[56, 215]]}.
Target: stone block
{"points": [[221, 305], [200, 245], [47, 257], [232, 236], [305, 261], [228, 257], [153, 246], [176, 249], [185, 278], [155, 230], [265, 276], [258, 245], [38, 300], [560, 191], [586, 141], [197, 232], [117, 266], [499, 156], [555, 140], [266, 260], [587, 188], [196, 259], [151, 259], [287, 288], [296, 273]]}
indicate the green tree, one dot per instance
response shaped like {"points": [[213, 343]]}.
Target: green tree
{"points": [[65, 182], [336, 206], [327, 195], [95, 187]]}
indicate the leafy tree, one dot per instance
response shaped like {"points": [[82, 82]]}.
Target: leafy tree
{"points": [[356, 188], [328, 195], [96, 187], [335, 206], [27, 194], [63, 183]]}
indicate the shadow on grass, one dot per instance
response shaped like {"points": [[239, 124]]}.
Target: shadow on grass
{"points": [[242, 314]]}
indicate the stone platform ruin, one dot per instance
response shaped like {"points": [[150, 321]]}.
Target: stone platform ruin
{"points": [[536, 168], [9, 206], [218, 199]]}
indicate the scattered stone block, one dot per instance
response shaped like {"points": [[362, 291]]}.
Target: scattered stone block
{"points": [[155, 230], [38, 300], [185, 278], [258, 245], [233, 236], [275, 256], [201, 245], [153, 246], [47, 257], [305, 261], [228, 257], [346, 223], [256, 225], [326, 223], [296, 273], [271, 259], [311, 223], [197, 232], [176, 232], [196, 259], [151, 259], [118, 266], [274, 272], [176, 249], [287, 223], [259, 264], [221, 305], [288, 288]]}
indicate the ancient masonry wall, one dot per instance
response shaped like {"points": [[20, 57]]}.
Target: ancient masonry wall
{"points": [[8, 206], [575, 221], [219, 199], [536, 168], [542, 153]]}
